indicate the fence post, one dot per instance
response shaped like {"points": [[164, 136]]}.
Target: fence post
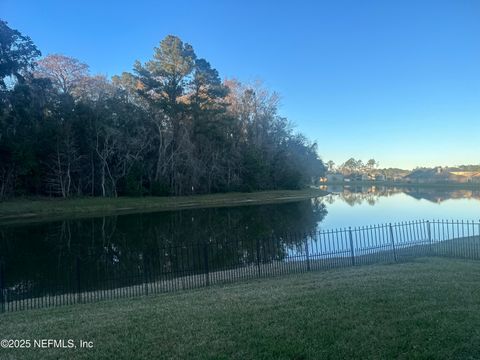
{"points": [[307, 254], [205, 259], [475, 256], [2, 286], [258, 257], [429, 231], [476, 253], [145, 278], [77, 271], [393, 243], [351, 245]]}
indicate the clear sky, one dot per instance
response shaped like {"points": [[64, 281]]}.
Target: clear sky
{"points": [[395, 80]]}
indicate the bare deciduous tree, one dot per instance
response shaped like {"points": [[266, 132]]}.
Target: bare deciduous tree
{"points": [[66, 73]]}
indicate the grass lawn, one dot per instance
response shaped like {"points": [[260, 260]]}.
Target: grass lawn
{"points": [[50, 208], [428, 309]]}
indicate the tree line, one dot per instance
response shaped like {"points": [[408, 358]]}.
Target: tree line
{"points": [[353, 166], [169, 127]]}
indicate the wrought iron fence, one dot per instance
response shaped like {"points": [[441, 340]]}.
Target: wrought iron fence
{"points": [[212, 262]]}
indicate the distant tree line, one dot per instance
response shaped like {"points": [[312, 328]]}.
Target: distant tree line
{"points": [[354, 166], [171, 127]]}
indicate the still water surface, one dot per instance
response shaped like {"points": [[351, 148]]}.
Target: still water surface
{"points": [[369, 205], [48, 255]]}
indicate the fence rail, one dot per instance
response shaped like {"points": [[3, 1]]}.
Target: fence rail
{"points": [[203, 264]]}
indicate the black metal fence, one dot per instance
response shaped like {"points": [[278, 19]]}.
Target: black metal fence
{"points": [[212, 262]]}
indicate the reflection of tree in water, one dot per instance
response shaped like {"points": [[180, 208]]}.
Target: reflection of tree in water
{"points": [[161, 242], [438, 195], [357, 195]]}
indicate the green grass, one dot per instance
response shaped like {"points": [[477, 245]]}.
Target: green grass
{"points": [[47, 208], [426, 309]]}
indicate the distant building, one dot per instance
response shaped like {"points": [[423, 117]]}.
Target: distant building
{"points": [[468, 176], [353, 177], [380, 177], [442, 175], [332, 178]]}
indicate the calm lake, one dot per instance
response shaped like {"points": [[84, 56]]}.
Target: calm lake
{"points": [[50, 257], [361, 206]]}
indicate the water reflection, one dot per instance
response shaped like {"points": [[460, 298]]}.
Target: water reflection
{"points": [[358, 195], [367, 205], [56, 257], [48, 255]]}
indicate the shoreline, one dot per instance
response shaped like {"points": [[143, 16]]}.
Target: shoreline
{"points": [[46, 209]]}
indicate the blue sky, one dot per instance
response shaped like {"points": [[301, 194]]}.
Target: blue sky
{"points": [[395, 80]]}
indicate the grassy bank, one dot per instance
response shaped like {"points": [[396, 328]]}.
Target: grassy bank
{"points": [[429, 308], [36, 209]]}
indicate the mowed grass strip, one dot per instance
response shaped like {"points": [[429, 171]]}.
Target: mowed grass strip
{"points": [[34, 209], [426, 309]]}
